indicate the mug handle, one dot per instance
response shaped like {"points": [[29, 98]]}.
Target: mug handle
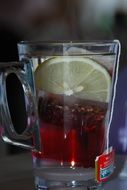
{"points": [[19, 118]]}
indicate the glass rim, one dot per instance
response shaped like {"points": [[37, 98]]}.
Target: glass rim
{"points": [[61, 48], [71, 42]]}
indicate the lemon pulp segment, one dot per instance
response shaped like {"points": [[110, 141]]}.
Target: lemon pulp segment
{"points": [[82, 77]]}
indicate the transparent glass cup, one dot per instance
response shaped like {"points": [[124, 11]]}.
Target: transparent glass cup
{"points": [[66, 93]]}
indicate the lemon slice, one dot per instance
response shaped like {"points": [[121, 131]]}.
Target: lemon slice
{"points": [[79, 76]]}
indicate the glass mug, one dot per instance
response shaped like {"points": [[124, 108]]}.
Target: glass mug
{"points": [[58, 101]]}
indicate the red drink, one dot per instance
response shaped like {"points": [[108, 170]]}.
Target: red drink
{"points": [[72, 130], [73, 83]]}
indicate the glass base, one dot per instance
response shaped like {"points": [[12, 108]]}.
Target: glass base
{"points": [[40, 184], [52, 176]]}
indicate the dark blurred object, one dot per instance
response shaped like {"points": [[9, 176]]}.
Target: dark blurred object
{"points": [[121, 19], [8, 44], [118, 132], [120, 32]]}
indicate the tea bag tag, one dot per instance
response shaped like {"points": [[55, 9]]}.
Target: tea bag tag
{"points": [[104, 165]]}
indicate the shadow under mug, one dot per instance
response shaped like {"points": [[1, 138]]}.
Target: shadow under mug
{"points": [[58, 101]]}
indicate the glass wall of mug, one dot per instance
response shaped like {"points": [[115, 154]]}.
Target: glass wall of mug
{"points": [[73, 85]]}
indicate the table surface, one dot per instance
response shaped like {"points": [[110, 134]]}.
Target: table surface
{"points": [[16, 173]]}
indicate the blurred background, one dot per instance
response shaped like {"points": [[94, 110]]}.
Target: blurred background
{"points": [[69, 20], [60, 20]]}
